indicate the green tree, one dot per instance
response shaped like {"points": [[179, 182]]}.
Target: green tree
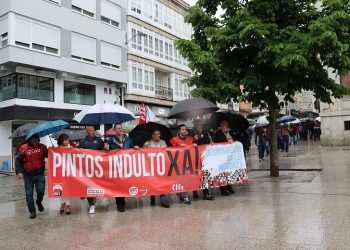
{"points": [[272, 47]]}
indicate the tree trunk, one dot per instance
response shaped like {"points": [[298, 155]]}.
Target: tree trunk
{"points": [[274, 169]]}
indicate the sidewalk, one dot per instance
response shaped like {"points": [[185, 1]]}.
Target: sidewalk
{"points": [[299, 210]]}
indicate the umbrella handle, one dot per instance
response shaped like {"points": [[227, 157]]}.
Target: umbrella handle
{"points": [[51, 140]]}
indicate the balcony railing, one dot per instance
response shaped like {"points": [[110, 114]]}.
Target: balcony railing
{"points": [[164, 93]]}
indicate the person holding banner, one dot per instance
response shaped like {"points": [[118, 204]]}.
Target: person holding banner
{"points": [[202, 137], [91, 141], [120, 141], [181, 140], [64, 142], [30, 166], [225, 134], [157, 142]]}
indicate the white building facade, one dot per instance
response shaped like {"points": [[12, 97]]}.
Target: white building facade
{"points": [[156, 70], [57, 57], [336, 117]]}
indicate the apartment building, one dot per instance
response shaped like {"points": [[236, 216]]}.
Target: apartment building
{"points": [[156, 70], [336, 117], [57, 57]]}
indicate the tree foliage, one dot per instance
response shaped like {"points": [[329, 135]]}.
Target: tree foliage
{"points": [[272, 47]]}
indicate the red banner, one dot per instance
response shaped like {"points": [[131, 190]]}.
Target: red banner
{"points": [[143, 172], [129, 172]]}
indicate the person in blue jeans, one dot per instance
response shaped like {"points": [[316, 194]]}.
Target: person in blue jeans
{"points": [[285, 137], [157, 142], [120, 141], [30, 166], [261, 139]]}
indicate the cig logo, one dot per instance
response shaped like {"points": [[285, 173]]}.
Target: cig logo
{"points": [[177, 187]]}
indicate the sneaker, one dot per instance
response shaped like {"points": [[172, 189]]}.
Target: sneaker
{"points": [[165, 204], [92, 209], [40, 206], [208, 197], [121, 208], [230, 190], [224, 192], [260, 160], [187, 201], [153, 200], [32, 215]]}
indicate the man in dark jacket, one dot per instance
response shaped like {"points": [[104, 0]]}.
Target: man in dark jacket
{"points": [[201, 137], [95, 143], [120, 141], [30, 165], [225, 134]]}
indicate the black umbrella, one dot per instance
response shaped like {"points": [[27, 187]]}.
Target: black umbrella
{"points": [[237, 121], [74, 135], [192, 107], [63, 131], [81, 134], [22, 130], [143, 132]]}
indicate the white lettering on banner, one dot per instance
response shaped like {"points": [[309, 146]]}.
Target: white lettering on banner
{"points": [[119, 166], [217, 159], [177, 187]]}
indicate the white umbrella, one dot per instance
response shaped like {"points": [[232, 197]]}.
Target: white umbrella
{"points": [[262, 120], [294, 122], [104, 114]]}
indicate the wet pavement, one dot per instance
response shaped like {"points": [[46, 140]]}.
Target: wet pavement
{"points": [[299, 210]]}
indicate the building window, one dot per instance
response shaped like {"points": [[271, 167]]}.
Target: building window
{"points": [[26, 87], [177, 87], [156, 12], [156, 46], [347, 125], [145, 44], [8, 87], [3, 39], [84, 7], [161, 49], [110, 56], [37, 36], [151, 83], [3, 32], [133, 36], [58, 2], [35, 87], [139, 79], [83, 48], [166, 50], [79, 93], [110, 13], [171, 52], [134, 77], [136, 6], [150, 44], [139, 40], [146, 74], [105, 91]]}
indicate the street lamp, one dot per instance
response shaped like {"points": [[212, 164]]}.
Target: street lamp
{"points": [[138, 34]]}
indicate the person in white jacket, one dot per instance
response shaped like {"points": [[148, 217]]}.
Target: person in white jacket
{"points": [[63, 141]]}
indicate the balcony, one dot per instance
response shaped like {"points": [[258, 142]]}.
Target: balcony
{"points": [[163, 93], [245, 107]]}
